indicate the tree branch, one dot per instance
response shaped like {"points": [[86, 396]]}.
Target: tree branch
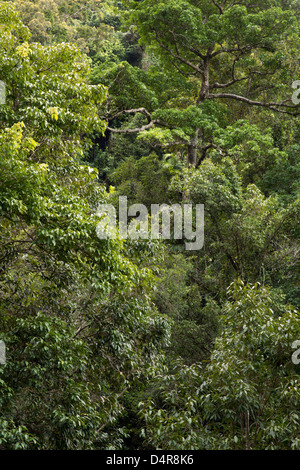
{"points": [[218, 6], [177, 56], [225, 85], [225, 50], [273, 106], [134, 130], [131, 111]]}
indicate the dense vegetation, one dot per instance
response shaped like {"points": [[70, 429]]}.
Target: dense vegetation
{"points": [[140, 343]]}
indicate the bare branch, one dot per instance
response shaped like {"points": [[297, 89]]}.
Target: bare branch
{"points": [[134, 130], [273, 106], [131, 111], [225, 85]]}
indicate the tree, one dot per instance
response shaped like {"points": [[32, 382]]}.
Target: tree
{"points": [[247, 396], [220, 58], [76, 311], [94, 26], [246, 233]]}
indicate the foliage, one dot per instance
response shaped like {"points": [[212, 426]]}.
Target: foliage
{"points": [[76, 314], [246, 233], [144, 180], [247, 396], [163, 102]]}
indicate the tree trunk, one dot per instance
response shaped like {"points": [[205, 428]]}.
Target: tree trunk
{"points": [[192, 150]]}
